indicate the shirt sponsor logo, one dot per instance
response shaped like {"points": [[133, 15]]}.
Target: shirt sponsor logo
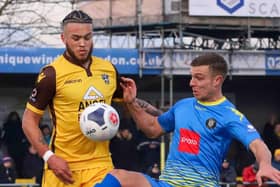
{"points": [[189, 141], [251, 128], [92, 94], [72, 81], [200, 108]]}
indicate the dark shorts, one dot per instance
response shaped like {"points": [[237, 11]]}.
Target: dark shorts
{"points": [[156, 182]]}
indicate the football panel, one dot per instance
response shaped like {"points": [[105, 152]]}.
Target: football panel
{"points": [[97, 116]]}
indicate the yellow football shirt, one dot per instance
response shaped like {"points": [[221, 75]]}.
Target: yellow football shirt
{"points": [[67, 89]]}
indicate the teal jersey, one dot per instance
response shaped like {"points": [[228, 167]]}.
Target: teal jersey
{"points": [[202, 133]]}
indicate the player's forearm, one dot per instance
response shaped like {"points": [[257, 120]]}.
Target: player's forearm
{"points": [[145, 116], [261, 152], [30, 125], [148, 107]]}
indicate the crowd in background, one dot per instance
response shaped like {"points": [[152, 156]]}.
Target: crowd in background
{"points": [[130, 149], [271, 136], [19, 159]]}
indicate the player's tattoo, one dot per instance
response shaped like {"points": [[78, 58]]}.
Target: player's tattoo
{"points": [[42, 140], [148, 107]]}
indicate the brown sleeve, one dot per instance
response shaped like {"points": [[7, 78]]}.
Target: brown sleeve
{"points": [[44, 90]]}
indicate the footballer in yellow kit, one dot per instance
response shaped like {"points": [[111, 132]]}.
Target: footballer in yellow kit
{"points": [[73, 81], [67, 89]]}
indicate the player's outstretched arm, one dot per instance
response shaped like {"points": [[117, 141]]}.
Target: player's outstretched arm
{"points": [[263, 157], [30, 125], [144, 114], [148, 107]]}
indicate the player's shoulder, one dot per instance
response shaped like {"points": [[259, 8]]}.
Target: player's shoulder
{"points": [[101, 63], [185, 101], [99, 60], [233, 113], [58, 61], [59, 64], [47, 70]]}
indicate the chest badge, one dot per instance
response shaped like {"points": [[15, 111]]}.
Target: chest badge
{"points": [[211, 123], [105, 77]]}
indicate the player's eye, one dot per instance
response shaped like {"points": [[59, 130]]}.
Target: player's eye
{"points": [[88, 37], [76, 38]]}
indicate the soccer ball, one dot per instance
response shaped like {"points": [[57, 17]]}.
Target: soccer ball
{"points": [[99, 122]]}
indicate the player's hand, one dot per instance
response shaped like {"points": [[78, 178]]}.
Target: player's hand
{"points": [[60, 168], [268, 172], [129, 89]]}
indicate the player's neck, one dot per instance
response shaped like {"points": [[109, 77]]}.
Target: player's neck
{"points": [[71, 58], [217, 97], [86, 64], [213, 99]]}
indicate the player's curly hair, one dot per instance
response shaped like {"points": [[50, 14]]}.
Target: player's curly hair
{"points": [[76, 16]]}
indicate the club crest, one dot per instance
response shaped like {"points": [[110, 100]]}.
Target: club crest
{"points": [[105, 77], [211, 123]]}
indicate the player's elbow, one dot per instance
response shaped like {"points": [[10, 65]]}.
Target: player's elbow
{"points": [[153, 135], [155, 131]]}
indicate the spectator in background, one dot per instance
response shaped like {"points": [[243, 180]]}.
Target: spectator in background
{"points": [[46, 131], [243, 157], [276, 163], [268, 134], [276, 159], [33, 165], [15, 140], [249, 175], [153, 171], [7, 171], [228, 172], [123, 148], [149, 151], [277, 134]]}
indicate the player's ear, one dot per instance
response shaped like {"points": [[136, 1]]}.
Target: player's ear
{"points": [[218, 80], [62, 37]]}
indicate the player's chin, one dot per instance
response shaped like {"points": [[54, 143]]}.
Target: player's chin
{"points": [[195, 94], [82, 56], [198, 96], [82, 59]]}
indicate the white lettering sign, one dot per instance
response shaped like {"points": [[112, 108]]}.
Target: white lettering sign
{"points": [[241, 8]]}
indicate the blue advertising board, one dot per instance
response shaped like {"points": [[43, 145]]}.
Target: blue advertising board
{"points": [[272, 62], [31, 60]]}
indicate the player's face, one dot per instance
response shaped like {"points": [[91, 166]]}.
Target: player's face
{"points": [[77, 38], [203, 83]]}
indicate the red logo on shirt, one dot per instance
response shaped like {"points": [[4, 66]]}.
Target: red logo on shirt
{"points": [[189, 141]]}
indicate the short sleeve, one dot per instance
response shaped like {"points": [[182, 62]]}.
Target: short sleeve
{"points": [[167, 120], [43, 91]]}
